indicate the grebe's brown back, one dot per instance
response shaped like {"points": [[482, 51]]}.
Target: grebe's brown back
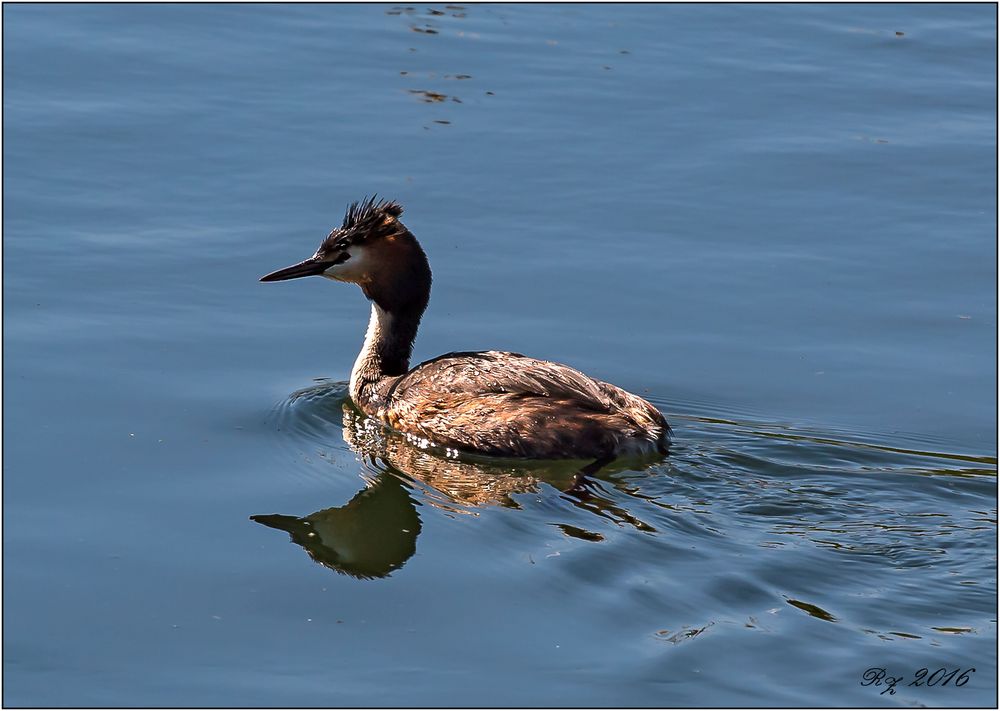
{"points": [[490, 402]]}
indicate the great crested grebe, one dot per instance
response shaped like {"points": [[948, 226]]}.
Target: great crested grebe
{"points": [[489, 402]]}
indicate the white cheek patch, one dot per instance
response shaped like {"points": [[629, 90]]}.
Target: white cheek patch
{"points": [[331, 272], [354, 269]]}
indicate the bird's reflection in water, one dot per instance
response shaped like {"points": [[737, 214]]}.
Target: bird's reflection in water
{"points": [[369, 537], [375, 533]]}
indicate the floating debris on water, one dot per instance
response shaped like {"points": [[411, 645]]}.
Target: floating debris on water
{"points": [[429, 97], [685, 633], [580, 533], [953, 630], [810, 609], [427, 30]]}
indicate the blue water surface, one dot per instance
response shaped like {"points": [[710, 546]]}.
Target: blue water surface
{"points": [[776, 222]]}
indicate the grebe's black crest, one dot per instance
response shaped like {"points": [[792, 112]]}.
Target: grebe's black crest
{"points": [[370, 209], [364, 219]]}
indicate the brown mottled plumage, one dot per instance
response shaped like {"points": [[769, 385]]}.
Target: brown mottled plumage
{"points": [[491, 402]]}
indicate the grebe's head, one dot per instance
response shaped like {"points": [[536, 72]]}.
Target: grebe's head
{"points": [[374, 250]]}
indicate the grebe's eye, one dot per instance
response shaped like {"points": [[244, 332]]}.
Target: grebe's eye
{"points": [[343, 244]]}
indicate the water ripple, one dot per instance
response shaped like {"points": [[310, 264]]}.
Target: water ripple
{"points": [[746, 525]]}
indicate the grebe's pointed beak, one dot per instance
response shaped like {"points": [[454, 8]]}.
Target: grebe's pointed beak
{"points": [[279, 521], [310, 267]]}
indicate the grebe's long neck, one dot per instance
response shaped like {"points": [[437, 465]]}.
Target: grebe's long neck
{"points": [[399, 295], [385, 353]]}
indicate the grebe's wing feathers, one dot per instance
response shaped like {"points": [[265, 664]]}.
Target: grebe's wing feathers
{"points": [[477, 373], [495, 401]]}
